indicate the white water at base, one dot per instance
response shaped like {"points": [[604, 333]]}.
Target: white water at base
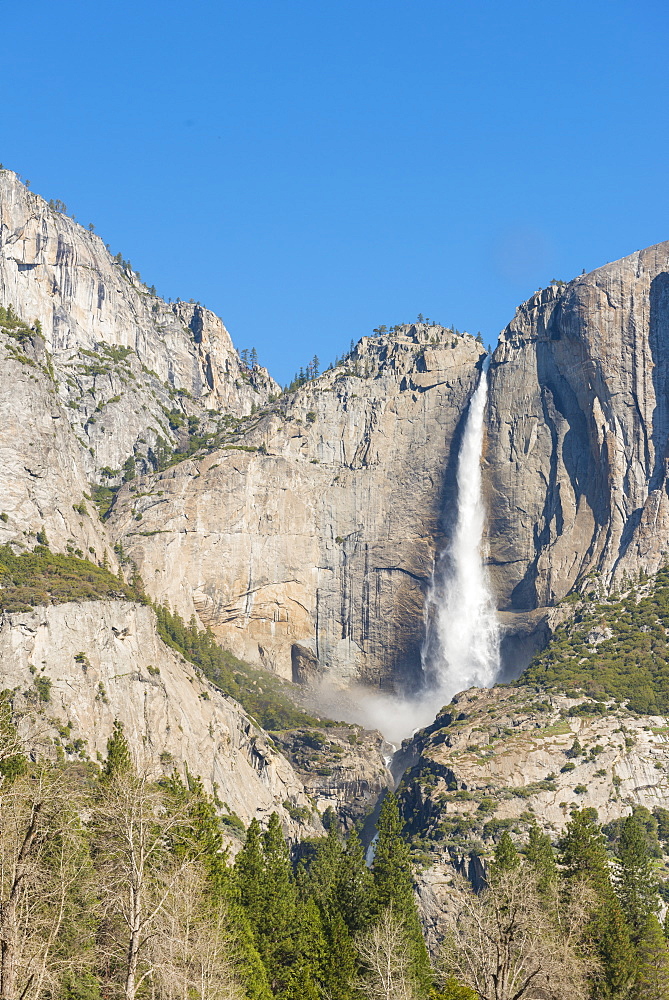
{"points": [[462, 644]]}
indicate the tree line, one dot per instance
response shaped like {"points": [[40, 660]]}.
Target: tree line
{"points": [[576, 925], [113, 884]]}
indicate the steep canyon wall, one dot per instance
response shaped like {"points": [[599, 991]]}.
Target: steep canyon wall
{"points": [[312, 550], [576, 457]]}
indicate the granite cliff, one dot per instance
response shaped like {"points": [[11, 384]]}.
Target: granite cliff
{"points": [[307, 546], [302, 528], [80, 666], [506, 759], [129, 367], [577, 434], [101, 380]]}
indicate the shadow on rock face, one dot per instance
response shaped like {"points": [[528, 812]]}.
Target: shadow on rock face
{"points": [[523, 635]]}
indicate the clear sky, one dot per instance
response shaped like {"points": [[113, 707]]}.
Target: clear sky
{"points": [[310, 169]]}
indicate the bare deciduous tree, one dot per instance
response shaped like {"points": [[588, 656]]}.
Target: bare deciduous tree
{"points": [[385, 952], [41, 860], [190, 950], [137, 873], [506, 945]]}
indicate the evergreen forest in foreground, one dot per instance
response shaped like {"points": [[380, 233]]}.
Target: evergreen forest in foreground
{"points": [[114, 885]]}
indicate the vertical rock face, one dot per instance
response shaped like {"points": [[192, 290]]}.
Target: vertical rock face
{"points": [[578, 429], [319, 531], [307, 540], [43, 480]]}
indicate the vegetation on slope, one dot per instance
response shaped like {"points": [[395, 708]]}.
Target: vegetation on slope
{"points": [[11, 325], [616, 648], [263, 695], [118, 886], [42, 577]]}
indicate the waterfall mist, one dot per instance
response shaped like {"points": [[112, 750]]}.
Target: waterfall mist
{"points": [[461, 648]]}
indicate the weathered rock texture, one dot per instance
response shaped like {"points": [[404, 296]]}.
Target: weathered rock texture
{"points": [[320, 530], [103, 661], [122, 357], [505, 758], [343, 768], [505, 744], [578, 430], [307, 540], [42, 469]]}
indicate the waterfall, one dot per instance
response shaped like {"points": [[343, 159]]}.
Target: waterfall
{"points": [[462, 644]]}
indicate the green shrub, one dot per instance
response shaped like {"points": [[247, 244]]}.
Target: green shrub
{"points": [[43, 688], [631, 666]]}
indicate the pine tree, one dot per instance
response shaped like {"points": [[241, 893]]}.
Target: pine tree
{"points": [[340, 965], [506, 857], [584, 859], [267, 894], [250, 874], [393, 881], [325, 870], [583, 852], [119, 761], [355, 886], [652, 977], [310, 953], [636, 882], [392, 862], [616, 953], [540, 856], [276, 921]]}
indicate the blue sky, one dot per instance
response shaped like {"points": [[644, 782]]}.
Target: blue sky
{"points": [[312, 169]]}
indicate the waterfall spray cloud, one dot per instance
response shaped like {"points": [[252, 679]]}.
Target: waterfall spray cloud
{"points": [[462, 644]]}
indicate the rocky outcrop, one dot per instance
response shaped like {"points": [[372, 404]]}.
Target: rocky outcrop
{"points": [[123, 358], [578, 431], [319, 529], [505, 757], [510, 757], [43, 482], [83, 665], [306, 536], [343, 768], [303, 527]]}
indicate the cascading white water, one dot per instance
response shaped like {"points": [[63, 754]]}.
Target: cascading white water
{"points": [[462, 644]]}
